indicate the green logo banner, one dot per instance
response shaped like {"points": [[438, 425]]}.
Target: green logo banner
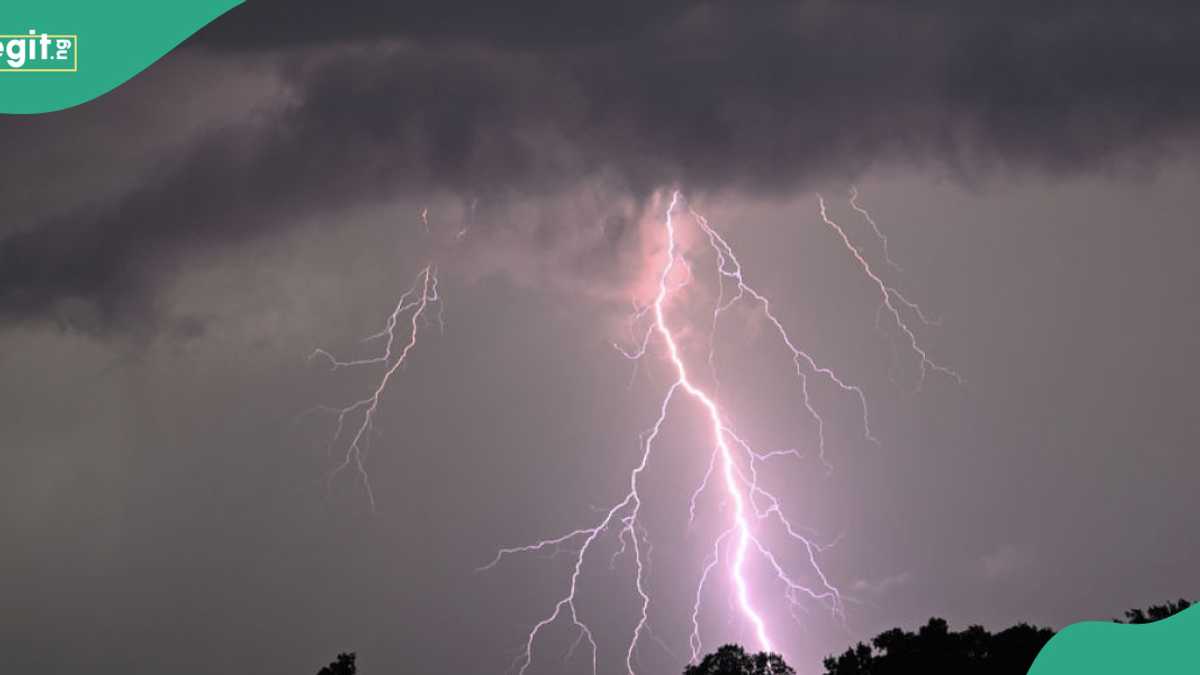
{"points": [[57, 54], [1107, 648]]}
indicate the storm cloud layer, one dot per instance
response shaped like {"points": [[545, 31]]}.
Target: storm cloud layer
{"points": [[500, 105]]}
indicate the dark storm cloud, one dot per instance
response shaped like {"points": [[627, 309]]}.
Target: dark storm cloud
{"points": [[509, 103]]}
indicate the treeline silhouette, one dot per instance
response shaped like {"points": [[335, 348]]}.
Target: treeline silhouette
{"points": [[1154, 612], [933, 650], [344, 665]]}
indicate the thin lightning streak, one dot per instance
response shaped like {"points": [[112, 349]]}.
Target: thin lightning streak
{"points": [[887, 256], [712, 464], [888, 296], [694, 638], [415, 301], [631, 502]]}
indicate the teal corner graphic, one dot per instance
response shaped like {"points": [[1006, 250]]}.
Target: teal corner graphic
{"points": [[1171, 645], [59, 54]]}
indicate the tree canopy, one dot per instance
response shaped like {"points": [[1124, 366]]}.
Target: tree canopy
{"points": [[934, 648], [344, 665], [1155, 612], [733, 660]]}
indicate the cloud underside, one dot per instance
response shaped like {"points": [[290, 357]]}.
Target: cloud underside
{"points": [[705, 96]]}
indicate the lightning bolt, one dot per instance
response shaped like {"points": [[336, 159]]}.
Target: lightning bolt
{"points": [[733, 464], [413, 303], [733, 461]]}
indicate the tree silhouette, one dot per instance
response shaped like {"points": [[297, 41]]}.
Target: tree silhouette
{"points": [[344, 665], [733, 660], [934, 648], [1155, 612]]}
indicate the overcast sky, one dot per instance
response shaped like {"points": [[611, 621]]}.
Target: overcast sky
{"points": [[173, 251]]}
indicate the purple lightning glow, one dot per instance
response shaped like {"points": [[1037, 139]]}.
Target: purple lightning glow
{"points": [[733, 462], [754, 507]]}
